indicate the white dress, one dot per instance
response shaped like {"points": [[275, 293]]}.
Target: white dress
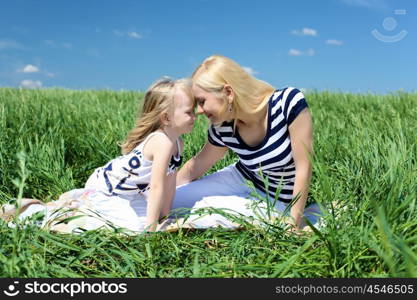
{"points": [[114, 196]]}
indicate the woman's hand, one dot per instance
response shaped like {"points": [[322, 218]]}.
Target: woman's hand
{"points": [[199, 164], [301, 135]]}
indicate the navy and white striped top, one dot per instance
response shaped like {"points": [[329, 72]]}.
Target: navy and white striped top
{"points": [[273, 156], [130, 174]]}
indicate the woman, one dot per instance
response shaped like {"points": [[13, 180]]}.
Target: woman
{"points": [[271, 132]]}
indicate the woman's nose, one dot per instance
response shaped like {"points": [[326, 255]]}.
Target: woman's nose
{"points": [[199, 110]]}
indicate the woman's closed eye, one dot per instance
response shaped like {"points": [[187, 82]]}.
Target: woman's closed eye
{"points": [[200, 101]]}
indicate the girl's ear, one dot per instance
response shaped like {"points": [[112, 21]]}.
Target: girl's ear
{"points": [[165, 119], [230, 94]]}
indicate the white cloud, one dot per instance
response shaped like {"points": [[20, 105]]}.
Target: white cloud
{"points": [[34, 69], [334, 42], [30, 69], [118, 33], [134, 35], [9, 44], [66, 45], [50, 43], [250, 71], [305, 31], [19, 30], [93, 52], [296, 52], [310, 52], [131, 34], [364, 3], [54, 44], [31, 84], [372, 4]]}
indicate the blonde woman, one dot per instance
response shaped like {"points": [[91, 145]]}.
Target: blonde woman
{"points": [[135, 190], [271, 132]]}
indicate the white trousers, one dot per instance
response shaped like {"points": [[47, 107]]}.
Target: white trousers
{"points": [[227, 190]]}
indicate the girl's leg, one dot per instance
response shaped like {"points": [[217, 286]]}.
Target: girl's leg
{"points": [[25, 207]]}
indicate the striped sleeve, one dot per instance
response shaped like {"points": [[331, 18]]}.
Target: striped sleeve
{"points": [[294, 104], [214, 137]]}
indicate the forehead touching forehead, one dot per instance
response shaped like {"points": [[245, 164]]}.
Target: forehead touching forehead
{"points": [[198, 92], [183, 98]]}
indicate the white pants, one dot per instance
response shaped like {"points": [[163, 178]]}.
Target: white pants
{"points": [[227, 189]]}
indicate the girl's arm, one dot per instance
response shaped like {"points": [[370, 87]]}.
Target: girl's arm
{"points": [[199, 164], [301, 134], [162, 186], [170, 189]]}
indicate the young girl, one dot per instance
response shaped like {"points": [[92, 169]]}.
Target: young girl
{"points": [[135, 190]]}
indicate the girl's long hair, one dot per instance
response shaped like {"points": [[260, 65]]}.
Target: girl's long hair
{"points": [[250, 92], [158, 100]]}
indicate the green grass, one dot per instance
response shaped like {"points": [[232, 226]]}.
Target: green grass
{"points": [[365, 157]]}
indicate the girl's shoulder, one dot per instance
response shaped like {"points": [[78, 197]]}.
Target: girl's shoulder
{"points": [[157, 142]]}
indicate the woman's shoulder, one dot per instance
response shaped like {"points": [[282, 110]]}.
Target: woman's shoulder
{"points": [[287, 97], [286, 92], [292, 102]]}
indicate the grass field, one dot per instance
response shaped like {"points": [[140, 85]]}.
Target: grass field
{"points": [[365, 157]]}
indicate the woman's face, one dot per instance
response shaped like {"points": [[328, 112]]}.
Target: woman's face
{"points": [[209, 104]]}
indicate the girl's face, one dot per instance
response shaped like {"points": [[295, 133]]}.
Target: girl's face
{"points": [[209, 104], [183, 115]]}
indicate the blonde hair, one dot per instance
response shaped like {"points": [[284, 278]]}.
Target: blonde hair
{"points": [[158, 100], [250, 93]]}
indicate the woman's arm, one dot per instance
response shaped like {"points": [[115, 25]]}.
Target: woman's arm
{"points": [[199, 164], [161, 186], [301, 135]]}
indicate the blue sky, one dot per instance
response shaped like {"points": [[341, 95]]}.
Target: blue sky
{"points": [[126, 45]]}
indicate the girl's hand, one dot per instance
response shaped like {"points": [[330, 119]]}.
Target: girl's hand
{"points": [[162, 186]]}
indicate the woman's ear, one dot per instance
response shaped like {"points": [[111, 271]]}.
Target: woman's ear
{"points": [[229, 92]]}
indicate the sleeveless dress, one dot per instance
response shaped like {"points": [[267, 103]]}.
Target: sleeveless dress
{"points": [[114, 196]]}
